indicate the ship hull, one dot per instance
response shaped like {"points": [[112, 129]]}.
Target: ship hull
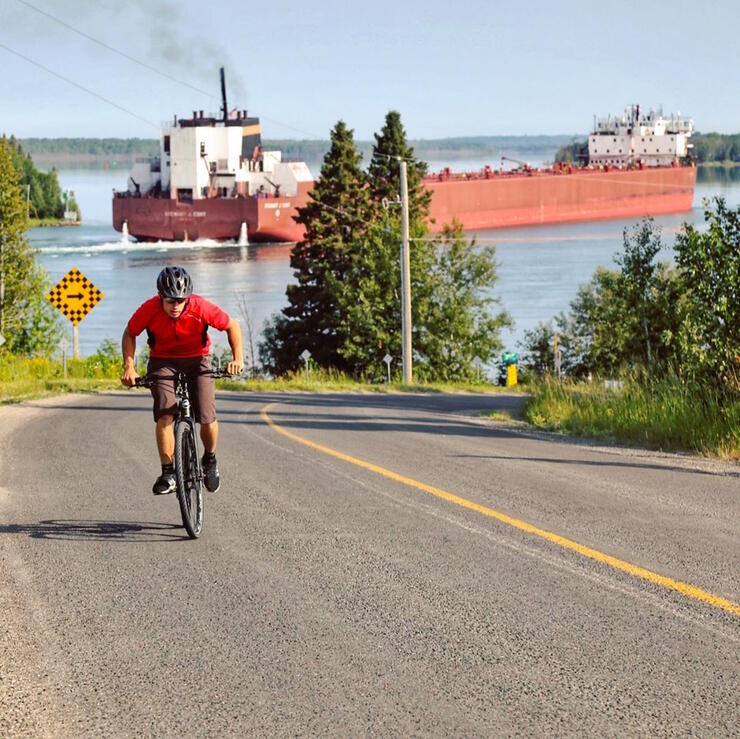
{"points": [[477, 202], [540, 197], [269, 219]]}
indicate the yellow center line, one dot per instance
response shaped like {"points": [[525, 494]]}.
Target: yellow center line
{"points": [[667, 582]]}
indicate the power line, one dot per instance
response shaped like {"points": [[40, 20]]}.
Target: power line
{"points": [[113, 49], [75, 84], [149, 66]]}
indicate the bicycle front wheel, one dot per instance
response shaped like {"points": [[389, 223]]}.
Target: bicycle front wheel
{"points": [[187, 472]]}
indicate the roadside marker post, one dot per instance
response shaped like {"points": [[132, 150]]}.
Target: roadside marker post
{"points": [[66, 346], [388, 359], [74, 296], [2, 339], [305, 355]]}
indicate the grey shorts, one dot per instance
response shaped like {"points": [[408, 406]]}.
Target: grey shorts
{"points": [[200, 387]]}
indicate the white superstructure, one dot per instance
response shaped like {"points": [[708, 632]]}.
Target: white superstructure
{"points": [[206, 157], [634, 138]]}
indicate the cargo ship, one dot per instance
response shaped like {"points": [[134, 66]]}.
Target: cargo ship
{"points": [[214, 180]]}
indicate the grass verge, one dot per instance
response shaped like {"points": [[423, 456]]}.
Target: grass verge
{"points": [[665, 414], [24, 378], [27, 378]]}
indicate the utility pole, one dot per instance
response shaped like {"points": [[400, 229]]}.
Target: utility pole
{"points": [[405, 278]]}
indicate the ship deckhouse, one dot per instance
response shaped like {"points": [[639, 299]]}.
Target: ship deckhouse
{"points": [[649, 140], [207, 157]]}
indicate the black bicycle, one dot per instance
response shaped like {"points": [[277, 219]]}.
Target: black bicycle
{"points": [[188, 473]]}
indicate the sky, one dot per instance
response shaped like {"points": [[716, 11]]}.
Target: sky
{"points": [[466, 68]]}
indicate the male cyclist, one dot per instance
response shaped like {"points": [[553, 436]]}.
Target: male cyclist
{"points": [[177, 321]]}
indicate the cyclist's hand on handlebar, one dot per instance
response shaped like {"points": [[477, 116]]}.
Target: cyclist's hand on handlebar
{"points": [[129, 377], [235, 367]]}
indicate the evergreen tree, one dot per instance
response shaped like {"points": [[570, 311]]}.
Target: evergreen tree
{"points": [[335, 217], [346, 306], [384, 171], [27, 321]]}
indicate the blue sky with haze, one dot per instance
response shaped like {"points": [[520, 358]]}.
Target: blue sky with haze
{"points": [[451, 69]]}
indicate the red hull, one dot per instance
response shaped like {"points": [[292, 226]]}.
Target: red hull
{"points": [[547, 196], [478, 201], [164, 219]]}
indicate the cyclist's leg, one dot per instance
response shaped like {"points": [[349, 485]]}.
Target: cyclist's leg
{"points": [[205, 414], [165, 405], [203, 394], [165, 434]]}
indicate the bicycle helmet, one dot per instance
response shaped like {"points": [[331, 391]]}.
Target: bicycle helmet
{"points": [[174, 282]]}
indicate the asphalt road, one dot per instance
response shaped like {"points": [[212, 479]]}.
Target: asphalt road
{"points": [[444, 576]]}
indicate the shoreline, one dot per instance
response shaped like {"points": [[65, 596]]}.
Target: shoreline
{"points": [[51, 223]]}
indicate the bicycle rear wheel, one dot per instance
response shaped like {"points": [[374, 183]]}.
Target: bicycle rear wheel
{"points": [[187, 472]]}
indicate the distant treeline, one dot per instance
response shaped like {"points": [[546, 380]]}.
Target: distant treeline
{"points": [[708, 147], [42, 190], [117, 152]]}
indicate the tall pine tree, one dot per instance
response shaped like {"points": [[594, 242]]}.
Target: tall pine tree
{"points": [[369, 296], [384, 171], [335, 217]]}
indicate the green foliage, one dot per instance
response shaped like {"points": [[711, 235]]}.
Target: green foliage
{"points": [[576, 152], [708, 147], [31, 377], [622, 318], [537, 349], [661, 410], [106, 151], [107, 358], [28, 322], [345, 308], [709, 262], [716, 147], [369, 302], [43, 189], [77, 147], [334, 218], [384, 171], [458, 325]]}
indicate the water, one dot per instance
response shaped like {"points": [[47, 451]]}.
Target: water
{"points": [[540, 268]]}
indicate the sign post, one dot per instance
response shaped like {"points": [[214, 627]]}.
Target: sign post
{"points": [[74, 296], [388, 359], [305, 355]]}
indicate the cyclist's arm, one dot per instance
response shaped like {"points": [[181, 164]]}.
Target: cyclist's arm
{"points": [[128, 349], [234, 334]]}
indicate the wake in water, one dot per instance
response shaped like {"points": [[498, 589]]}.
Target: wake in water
{"points": [[124, 247]]}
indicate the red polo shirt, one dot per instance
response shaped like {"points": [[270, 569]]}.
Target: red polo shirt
{"points": [[182, 337]]}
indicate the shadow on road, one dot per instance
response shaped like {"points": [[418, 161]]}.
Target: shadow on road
{"points": [[125, 531], [602, 463]]}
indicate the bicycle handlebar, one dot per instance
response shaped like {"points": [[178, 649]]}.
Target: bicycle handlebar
{"points": [[148, 381]]}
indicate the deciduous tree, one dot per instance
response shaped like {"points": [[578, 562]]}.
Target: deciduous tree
{"points": [[27, 321], [709, 263]]}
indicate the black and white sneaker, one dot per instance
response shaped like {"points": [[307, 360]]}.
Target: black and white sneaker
{"points": [[210, 473], [165, 484]]}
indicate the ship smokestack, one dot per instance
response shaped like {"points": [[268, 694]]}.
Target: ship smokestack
{"points": [[225, 108]]}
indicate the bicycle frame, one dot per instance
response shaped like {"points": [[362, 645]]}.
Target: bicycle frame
{"points": [[185, 413], [188, 470]]}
